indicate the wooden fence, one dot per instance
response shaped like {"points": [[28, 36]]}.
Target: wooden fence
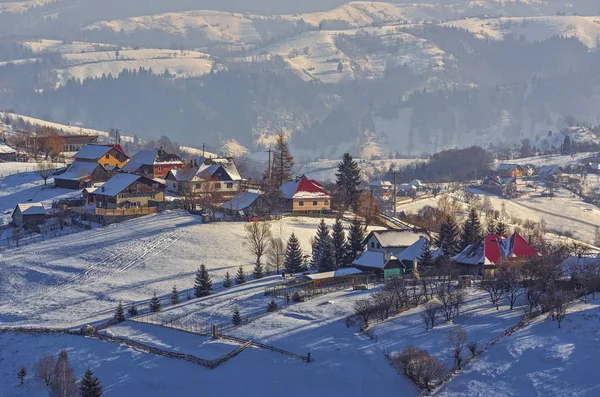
{"points": [[127, 211]]}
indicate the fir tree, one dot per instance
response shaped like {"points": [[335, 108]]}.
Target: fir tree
{"points": [[119, 316], [319, 243], [236, 319], [202, 283], [338, 238], [258, 271], [501, 228], [283, 162], [154, 303], [471, 230], [227, 281], [355, 241], [293, 255], [272, 306], [21, 375], [449, 236], [327, 257], [174, 296], [240, 277], [132, 310], [491, 225], [348, 181], [90, 385], [567, 146], [426, 257]]}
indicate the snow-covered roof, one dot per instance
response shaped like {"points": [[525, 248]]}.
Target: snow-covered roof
{"points": [[5, 148], [144, 157], [373, 259], [493, 249], [240, 201], [78, 170], [550, 170], [117, 184], [303, 188], [416, 182], [92, 152], [594, 165], [415, 250], [230, 167], [507, 167], [406, 187], [345, 271], [395, 238], [380, 184], [31, 209]]}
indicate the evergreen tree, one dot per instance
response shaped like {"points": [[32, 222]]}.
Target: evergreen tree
{"points": [[258, 271], [21, 375], [338, 238], [567, 146], [491, 225], [272, 306], [355, 241], [283, 162], [236, 319], [240, 277], [202, 283], [449, 236], [293, 255], [319, 243], [174, 296], [227, 281], [348, 181], [90, 385], [471, 230], [154, 303], [501, 228], [119, 316], [327, 257], [426, 257], [132, 311]]}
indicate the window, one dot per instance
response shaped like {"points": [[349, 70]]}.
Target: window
{"points": [[118, 155], [326, 202], [378, 246], [230, 185], [315, 203], [300, 203], [372, 244], [160, 168], [217, 185], [107, 156]]}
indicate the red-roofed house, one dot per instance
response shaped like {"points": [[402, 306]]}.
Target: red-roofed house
{"points": [[494, 252], [305, 196]]}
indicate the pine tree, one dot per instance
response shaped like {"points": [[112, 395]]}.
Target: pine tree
{"points": [[258, 271], [293, 255], [348, 181], [338, 238], [202, 283], [119, 316], [355, 241], [90, 385], [471, 230], [319, 243], [283, 162], [240, 277], [567, 146], [174, 296], [227, 281], [21, 375], [272, 306], [491, 225], [449, 236], [327, 257], [426, 257], [501, 228], [132, 311], [236, 319], [154, 303]]}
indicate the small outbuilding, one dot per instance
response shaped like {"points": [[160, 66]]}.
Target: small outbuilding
{"points": [[29, 215], [246, 204]]}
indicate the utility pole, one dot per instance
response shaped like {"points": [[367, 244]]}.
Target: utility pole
{"points": [[394, 194], [203, 149], [269, 172]]}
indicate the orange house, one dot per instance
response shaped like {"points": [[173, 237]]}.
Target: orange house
{"points": [[155, 163], [105, 155]]}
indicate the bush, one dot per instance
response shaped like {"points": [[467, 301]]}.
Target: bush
{"points": [[297, 297], [419, 366], [272, 306]]}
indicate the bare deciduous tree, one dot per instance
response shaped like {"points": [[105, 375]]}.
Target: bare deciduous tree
{"points": [[495, 288], [560, 303], [472, 346], [457, 339], [276, 254], [430, 313], [258, 236], [45, 169], [363, 308], [397, 288], [419, 366], [512, 286], [383, 302], [63, 383], [44, 368]]}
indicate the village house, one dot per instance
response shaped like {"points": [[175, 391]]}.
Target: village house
{"points": [[246, 205], [29, 215], [503, 187], [492, 253], [127, 191], [528, 170], [106, 155], [7, 153], [553, 173], [81, 174], [155, 163], [380, 263], [509, 171], [382, 189], [593, 168], [305, 196]]}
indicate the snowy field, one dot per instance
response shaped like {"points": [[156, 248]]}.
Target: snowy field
{"points": [[325, 170], [538, 360]]}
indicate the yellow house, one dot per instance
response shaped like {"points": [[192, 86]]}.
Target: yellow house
{"points": [[125, 191], [105, 155], [509, 171], [305, 196]]}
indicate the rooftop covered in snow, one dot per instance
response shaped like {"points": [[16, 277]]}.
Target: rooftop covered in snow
{"points": [[395, 238], [31, 209], [78, 170]]}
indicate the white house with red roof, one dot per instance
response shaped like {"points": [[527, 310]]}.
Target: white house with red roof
{"points": [[305, 196], [494, 252]]}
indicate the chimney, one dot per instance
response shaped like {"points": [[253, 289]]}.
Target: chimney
{"points": [[103, 189]]}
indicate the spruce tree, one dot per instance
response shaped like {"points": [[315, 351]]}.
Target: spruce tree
{"points": [[501, 228], [90, 385], [293, 255], [257, 272], [449, 236], [154, 303], [471, 230], [174, 296], [327, 257], [240, 277], [283, 162], [21, 375], [236, 319], [426, 257], [338, 238], [348, 181], [227, 281], [491, 225], [119, 316], [202, 283], [132, 311], [355, 241], [319, 243]]}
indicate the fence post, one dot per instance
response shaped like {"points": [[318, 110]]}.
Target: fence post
{"points": [[308, 357]]}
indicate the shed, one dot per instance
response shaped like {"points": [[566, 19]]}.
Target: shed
{"points": [[246, 204], [29, 215], [380, 263]]}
